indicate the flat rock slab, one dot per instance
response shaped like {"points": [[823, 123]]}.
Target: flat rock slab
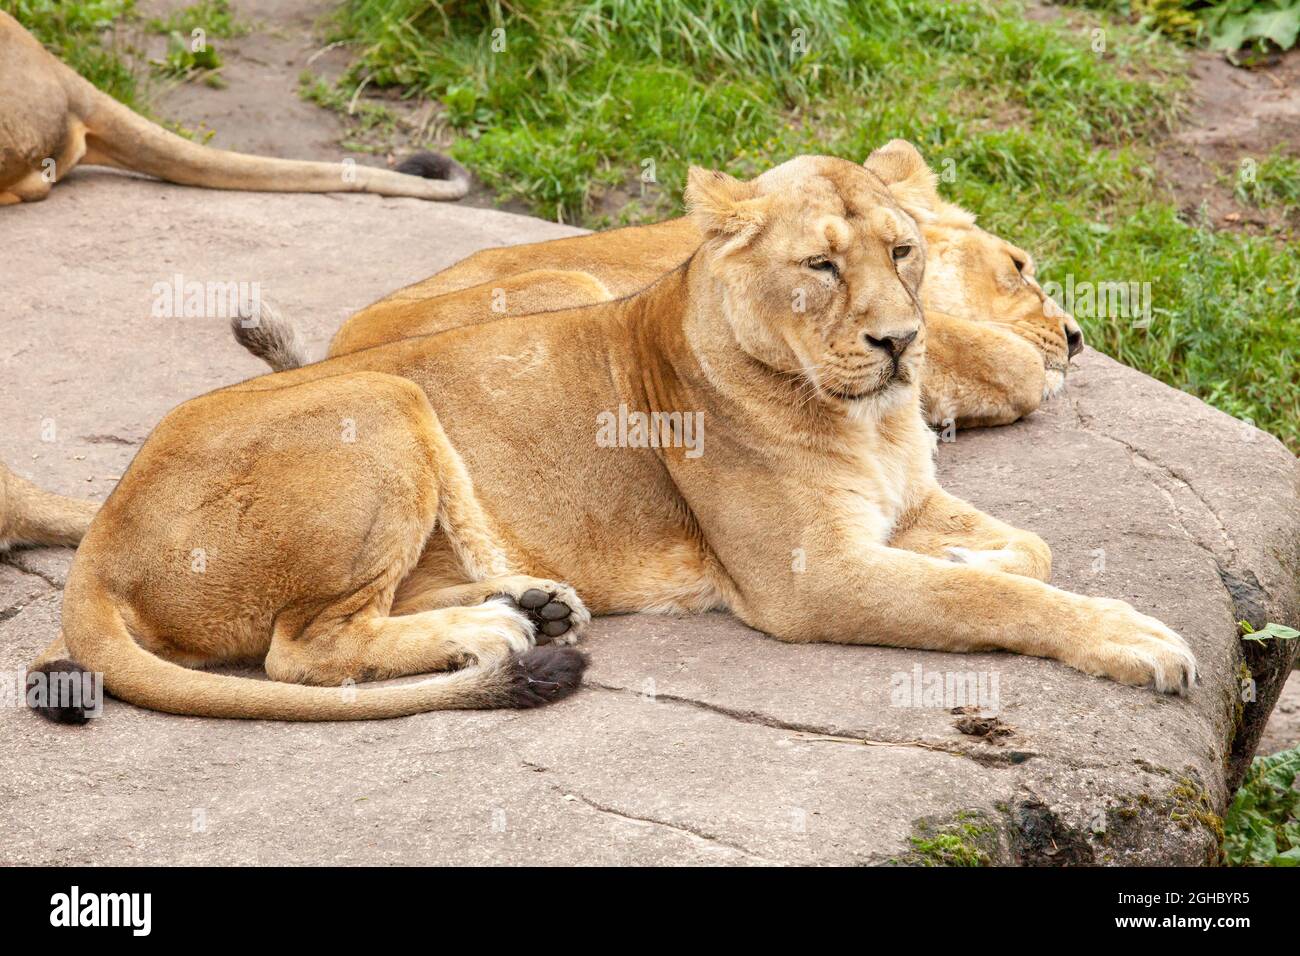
{"points": [[695, 740]]}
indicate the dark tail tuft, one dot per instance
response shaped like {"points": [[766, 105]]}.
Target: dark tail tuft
{"points": [[266, 334], [544, 675], [49, 692], [434, 166]]}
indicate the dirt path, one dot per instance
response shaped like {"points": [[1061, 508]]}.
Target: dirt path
{"points": [[1236, 115], [259, 108], [1233, 114]]}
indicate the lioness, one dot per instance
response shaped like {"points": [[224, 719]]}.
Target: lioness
{"points": [[413, 506], [52, 120], [998, 346]]}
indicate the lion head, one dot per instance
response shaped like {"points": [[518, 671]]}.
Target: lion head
{"points": [[973, 274], [820, 272]]}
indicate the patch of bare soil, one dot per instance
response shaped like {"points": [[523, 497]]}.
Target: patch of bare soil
{"points": [[1237, 115], [258, 107], [1283, 729]]}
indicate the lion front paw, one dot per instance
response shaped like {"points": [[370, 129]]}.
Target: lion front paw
{"points": [[1135, 649]]}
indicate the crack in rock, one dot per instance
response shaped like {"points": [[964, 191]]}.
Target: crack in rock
{"points": [[1084, 422], [813, 733], [692, 833], [1221, 565], [14, 560], [1247, 597], [108, 439], [12, 610]]}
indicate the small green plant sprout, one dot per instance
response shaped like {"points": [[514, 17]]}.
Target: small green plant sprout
{"points": [[213, 17], [185, 58], [1270, 631]]}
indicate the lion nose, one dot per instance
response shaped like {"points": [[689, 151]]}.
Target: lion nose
{"points": [[893, 343], [1074, 339]]}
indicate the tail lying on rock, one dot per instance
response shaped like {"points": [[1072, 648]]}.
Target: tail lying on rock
{"points": [[269, 336], [99, 641]]}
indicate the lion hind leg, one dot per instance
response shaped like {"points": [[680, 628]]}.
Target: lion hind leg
{"points": [[312, 556], [375, 646]]}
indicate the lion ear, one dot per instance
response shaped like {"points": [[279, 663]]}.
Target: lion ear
{"points": [[903, 169], [724, 207]]}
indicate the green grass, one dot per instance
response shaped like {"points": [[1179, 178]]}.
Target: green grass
{"points": [[367, 116], [1262, 827], [213, 17], [1273, 182], [190, 32], [1046, 139], [76, 32]]}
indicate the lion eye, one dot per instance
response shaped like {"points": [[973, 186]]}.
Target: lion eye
{"points": [[902, 252], [822, 264], [1020, 265]]}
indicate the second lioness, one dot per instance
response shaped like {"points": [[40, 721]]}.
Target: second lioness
{"points": [[997, 346], [354, 516]]}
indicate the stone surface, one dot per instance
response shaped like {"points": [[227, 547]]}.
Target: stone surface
{"points": [[695, 740]]}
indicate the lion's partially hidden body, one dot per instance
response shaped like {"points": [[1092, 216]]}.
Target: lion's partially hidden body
{"points": [[391, 511], [997, 346], [52, 120]]}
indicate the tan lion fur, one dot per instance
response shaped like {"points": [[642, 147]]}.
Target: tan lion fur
{"points": [[52, 120], [352, 515], [998, 344]]}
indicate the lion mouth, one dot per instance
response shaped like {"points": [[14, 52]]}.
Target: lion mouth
{"points": [[853, 396], [899, 375]]}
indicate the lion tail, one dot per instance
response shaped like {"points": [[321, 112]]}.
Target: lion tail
{"points": [[270, 336], [117, 136], [99, 642]]}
